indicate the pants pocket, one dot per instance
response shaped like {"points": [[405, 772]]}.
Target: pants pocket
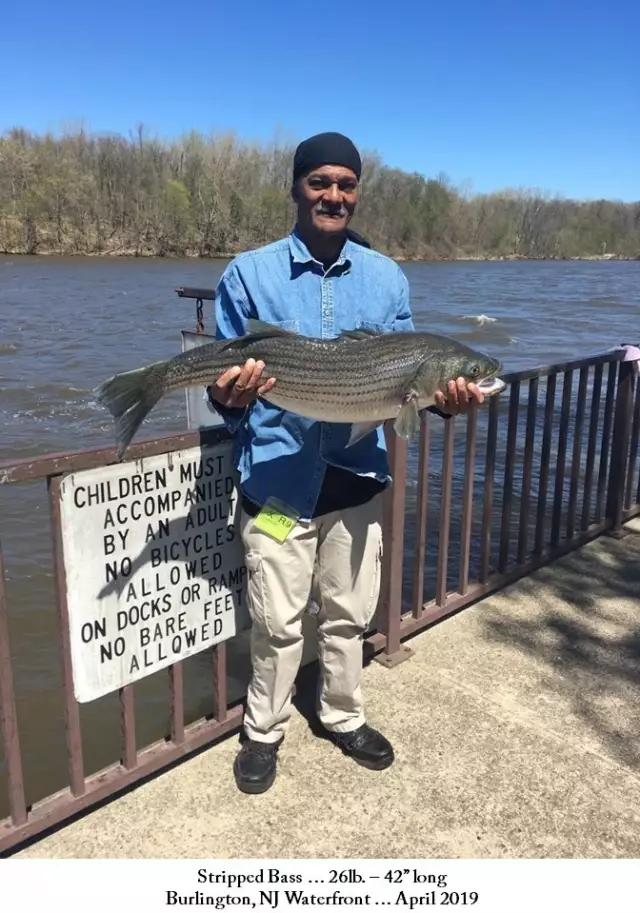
{"points": [[256, 592], [375, 584]]}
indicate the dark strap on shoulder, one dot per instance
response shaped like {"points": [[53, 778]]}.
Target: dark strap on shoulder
{"points": [[357, 238]]}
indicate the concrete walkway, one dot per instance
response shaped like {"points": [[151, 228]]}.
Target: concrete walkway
{"points": [[517, 732]]}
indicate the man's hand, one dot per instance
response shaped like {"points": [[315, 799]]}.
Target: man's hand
{"points": [[459, 397], [239, 386]]}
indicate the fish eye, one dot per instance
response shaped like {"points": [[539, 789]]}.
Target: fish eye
{"points": [[474, 370]]}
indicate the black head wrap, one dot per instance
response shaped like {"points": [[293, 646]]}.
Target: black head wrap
{"points": [[326, 149]]}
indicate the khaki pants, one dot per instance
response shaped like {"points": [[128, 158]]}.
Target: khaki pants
{"points": [[336, 559]]}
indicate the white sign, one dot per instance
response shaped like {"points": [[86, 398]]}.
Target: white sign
{"points": [[154, 564], [199, 415]]}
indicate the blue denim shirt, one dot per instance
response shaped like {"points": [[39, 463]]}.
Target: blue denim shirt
{"points": [[277, 453]]}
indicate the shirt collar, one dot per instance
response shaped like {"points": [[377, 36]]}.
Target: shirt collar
{"points": [[300, 252]]}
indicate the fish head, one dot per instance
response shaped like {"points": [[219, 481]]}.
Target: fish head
{"points": [[453, 360]]}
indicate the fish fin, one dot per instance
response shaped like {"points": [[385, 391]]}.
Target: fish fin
{"points": [[130, 397], [261, 331], [262, 328], [239, 342], [359, 333], [360, 430], [258, 327], [408, 419]]}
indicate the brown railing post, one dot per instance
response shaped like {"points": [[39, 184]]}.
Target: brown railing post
{"points": [[393, 559], [71, 708], [220, 700], [177, 703], [467, 501], [445, 512], [633, 452], [509, 472], [422, 509], [619, 447], [8, 715], [489, 482]]}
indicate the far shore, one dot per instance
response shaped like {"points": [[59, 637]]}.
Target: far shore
{"points": [[192, 255]]}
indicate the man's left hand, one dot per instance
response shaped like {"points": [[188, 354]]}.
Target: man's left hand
{"points": [[459, 397]]}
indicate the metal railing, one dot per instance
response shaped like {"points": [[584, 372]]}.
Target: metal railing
{"points": [[558, 467], [24, 822], [543, 468]]}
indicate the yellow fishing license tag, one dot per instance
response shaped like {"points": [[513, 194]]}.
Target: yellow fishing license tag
{"points": [[276, 519]]}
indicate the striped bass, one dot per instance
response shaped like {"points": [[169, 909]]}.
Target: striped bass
{"points": [[361, 377]]}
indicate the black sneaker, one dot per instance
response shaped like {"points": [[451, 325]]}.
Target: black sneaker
{"points": [[366, 746], [255, 766]]}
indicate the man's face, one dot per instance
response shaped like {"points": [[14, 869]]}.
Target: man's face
{"points": [[326, 198]]}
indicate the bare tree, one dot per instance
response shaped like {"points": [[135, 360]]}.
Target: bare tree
{"points": [[216, 195]]}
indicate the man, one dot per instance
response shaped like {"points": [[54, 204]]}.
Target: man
{"points": [[318, 281]]}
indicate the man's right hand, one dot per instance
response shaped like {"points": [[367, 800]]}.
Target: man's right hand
{"points": [[240, 386]]}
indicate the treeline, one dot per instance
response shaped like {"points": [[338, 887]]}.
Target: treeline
{"points": [[107, 194]]}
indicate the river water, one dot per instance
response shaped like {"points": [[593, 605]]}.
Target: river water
{"points": [[67, 323]]}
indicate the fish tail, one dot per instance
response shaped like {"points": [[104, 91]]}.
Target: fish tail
{"points": [[130, 397]]}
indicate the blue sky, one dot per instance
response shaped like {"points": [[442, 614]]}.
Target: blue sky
{"points": [[495, 94]]}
